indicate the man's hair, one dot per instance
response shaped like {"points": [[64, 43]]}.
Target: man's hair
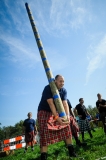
{"points": [[80, 99], [98, 94], [29, 113], [58, 75]]}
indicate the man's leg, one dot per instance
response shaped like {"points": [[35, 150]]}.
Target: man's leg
{"points": [[104, 127], [26, 147], [70, 147], [90, 134], [75, 135], [104, 121], [32, 145], [102, 118], [82, 133], [44, 152], [78, 142]]}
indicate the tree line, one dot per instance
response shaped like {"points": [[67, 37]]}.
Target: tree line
{"points": [[11, 131]]}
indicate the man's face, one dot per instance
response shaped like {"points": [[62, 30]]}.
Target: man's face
{"points": [[99, 96], [59, 82], [29, 115], [81, 101]]}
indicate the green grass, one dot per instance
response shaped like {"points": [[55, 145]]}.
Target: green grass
{"points": [[96, 148]]}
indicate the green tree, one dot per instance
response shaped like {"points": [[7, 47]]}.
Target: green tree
{"points": [[92, 110], [11, 131]]}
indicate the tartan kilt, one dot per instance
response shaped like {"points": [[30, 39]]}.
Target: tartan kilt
{"points": [[51, 132], [84, 125], [29, 137], [74, 127]]}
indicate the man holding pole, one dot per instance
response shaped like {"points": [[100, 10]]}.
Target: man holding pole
{"points": [[53, 128]]}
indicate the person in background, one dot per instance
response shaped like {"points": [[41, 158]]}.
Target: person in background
{"points": [[74, 125], [82, 113], [97, 116], [101, 106], [52, 128], [77, 119], [91, 121], [29, 128]]}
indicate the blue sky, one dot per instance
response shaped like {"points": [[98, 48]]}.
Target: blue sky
{"points": [[73, 34]]}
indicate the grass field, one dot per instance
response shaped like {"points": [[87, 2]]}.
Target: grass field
{"points": [[96, 148]]}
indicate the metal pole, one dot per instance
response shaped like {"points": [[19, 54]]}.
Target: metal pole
{"points": [[46, 65]]}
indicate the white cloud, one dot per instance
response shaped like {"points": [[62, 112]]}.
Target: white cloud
{"points": [[57, 61], [68, 14], [54, 15], [19, 52], [17, 15], [59, 16], [97, 58]]}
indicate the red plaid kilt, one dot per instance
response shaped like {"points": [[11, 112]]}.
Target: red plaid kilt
{"points": [[29, 137], [49, 131], [74, 127]]}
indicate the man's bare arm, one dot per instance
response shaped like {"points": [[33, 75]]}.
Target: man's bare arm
{"points": [[66, 107], [52, 106], [54, 112]]}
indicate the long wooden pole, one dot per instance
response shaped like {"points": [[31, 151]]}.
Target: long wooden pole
{"points": [[46, 65]]}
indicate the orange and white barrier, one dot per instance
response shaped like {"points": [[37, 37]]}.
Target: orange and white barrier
{"points": [[19, 138], [17, 142], [17, 146], [14, 143]]}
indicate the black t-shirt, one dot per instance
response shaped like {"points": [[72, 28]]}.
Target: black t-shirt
{"points": [[69, 104], [47, 94], [70, 107], [101, 109], [81, 111]]}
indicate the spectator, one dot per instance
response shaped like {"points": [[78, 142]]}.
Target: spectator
{"points": [[101, 106], [81, 111], [97, 116], [74, 125], [29, 128]]}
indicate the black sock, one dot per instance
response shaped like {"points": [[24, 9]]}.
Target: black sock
{"points": [[90, 134], [77, 140], [43, 156]]}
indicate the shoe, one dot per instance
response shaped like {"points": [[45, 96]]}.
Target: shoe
{"points": [[25, 151], [72, 152], [44, 156], [32, 149]]}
